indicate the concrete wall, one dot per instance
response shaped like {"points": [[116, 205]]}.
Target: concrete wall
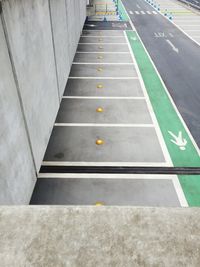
{"points": [[41, 38]]}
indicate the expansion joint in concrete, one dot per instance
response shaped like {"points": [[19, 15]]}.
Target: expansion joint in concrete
{"points": [[54, 51]]}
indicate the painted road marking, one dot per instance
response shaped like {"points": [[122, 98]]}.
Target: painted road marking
{"points": [[138, 6], [178, 140], [100, 52], [175, 49], [116, 78], [154, 12], [143, 13], [114, 164], [148, 12], [105, 97], [136, 12], [131, 12], [102, 44], [102, 63], [104, 125]]}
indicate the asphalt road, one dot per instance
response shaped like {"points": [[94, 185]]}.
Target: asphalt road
{"points": [[177, 59]]}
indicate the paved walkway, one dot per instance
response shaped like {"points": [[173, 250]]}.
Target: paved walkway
{"points": [[99, 236]]}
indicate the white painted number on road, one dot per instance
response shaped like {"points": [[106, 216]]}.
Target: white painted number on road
{"points": [[178, 140], [159, 34]]}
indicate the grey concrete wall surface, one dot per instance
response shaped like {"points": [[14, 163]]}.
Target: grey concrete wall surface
{"points": [[99, 236], [42, 36], [17, 172]]}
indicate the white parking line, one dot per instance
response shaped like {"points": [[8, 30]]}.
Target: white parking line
{"points": [[106, 78], [100, 63], [102, 43], [105, 97], [101, 52], [107, 125], [117, 164], [101, 36]]}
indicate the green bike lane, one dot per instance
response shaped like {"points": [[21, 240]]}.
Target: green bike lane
{"points": [[182, 149]]}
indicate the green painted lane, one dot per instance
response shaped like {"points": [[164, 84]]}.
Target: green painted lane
{"points": [[191, 187], [181, 149], [122, 11]]}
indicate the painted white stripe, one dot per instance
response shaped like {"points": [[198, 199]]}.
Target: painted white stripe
{"points": [[107, 125], [154, 12], [100, 63], [102, 43], [100, 52], [148, 12], [105, 97], [106, 78], [81, 163], [137, 12], [179, 192], [131, 12], [138, 6], [143, 13], [102, 36], [150, 108], [107, 176]]}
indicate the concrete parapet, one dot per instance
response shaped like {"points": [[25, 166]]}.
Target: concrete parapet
{"points": [[99, 236]]}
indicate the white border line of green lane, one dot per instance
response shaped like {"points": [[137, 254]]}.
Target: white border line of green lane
{"points": [[173, 178]]}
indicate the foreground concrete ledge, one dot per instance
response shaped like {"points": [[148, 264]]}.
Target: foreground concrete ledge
{"points": [[99, 236]]}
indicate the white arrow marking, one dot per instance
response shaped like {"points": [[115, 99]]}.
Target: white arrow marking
{"points": [[178, 140], [173, 46], [90, 25]]}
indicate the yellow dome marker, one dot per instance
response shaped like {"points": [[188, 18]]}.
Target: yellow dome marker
{"points": [[99, 110], [99, 142], [99, 69], [99, 204], [100, 86]]}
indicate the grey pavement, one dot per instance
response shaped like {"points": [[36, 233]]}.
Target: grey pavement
{"points": [[109, 192], [99, 236]]}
